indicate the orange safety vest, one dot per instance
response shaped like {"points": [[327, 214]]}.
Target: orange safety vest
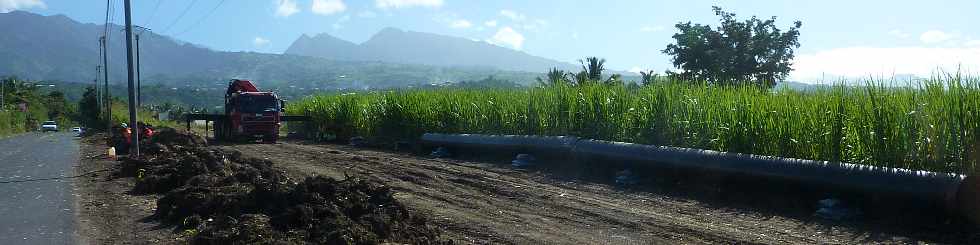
{"points": [[128, 134]]}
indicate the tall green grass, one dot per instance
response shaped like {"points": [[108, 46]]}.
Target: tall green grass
{"points": [[932, 126]]}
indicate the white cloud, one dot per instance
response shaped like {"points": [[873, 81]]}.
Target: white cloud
{"points": [[973, 43], [328, 7], [651, 28], [936, 36], [286, 8], [11, 5], [515, 16], [260, 42], [899, 33], [340, 22], [367, 14], [386, 4], [492, 23], [508, 36], [461, 24], [873, 61]]}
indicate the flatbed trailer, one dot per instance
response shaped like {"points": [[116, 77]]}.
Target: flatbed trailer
{"points": [[219, 119]]}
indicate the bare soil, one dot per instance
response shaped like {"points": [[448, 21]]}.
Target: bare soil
{"points": [[205, 195], [482, 201], [107, 212]]}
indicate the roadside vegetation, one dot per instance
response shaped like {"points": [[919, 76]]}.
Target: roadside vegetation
{"points": [[24, 107]]}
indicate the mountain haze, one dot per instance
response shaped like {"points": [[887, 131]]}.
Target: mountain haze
{"points": [[58, 48], [392, 45]]}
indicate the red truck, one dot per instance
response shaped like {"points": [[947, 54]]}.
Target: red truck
{"points": [[249, 114]]}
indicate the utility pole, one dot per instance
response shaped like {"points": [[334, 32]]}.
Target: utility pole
{"points": [[98, 93], [106, 96], [139, 84], [134, 147], [139, 80]]}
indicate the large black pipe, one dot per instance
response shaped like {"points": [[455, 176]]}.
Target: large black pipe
{"points": [[922, 185], [954, 191]]}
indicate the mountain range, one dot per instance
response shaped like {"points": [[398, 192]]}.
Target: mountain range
{"points": [[408, 47], [59, 48]]}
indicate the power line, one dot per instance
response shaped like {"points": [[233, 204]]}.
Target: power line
{"points": [[201, 19], [179, 17], [152, 13]]}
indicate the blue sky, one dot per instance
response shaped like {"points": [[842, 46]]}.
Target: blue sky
{"points": [[839, 38]]}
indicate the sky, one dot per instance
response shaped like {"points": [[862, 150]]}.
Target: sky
{"points": [[838, 39]]}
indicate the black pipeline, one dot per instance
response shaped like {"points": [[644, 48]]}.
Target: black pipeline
{"points": [[956, 192]]}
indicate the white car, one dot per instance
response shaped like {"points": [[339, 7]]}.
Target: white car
{"points": [[76, 129], [49, 126]]}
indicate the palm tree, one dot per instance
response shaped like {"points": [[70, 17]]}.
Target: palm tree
{"points": [[593, 67], [555, 77], [648, 77]]}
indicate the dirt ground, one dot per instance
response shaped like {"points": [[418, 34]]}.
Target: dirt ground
{"points": [[489, 202], [485, 202], [107, 214]]}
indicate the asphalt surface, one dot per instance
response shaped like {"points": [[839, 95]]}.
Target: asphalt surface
{"points": [[36, 211]]}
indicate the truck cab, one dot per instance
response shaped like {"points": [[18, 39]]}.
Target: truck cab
{"points": [[249, 113], [255, 114]]}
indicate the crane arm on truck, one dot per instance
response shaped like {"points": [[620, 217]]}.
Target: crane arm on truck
{"points": [[238, 86]]}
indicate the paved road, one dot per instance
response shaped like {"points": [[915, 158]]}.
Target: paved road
{"points": [[37, 212]]}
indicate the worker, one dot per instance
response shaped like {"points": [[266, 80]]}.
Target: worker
{"points": [[122, 147], [146, 130]]}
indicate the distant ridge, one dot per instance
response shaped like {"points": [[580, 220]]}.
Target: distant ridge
{"points": [[393, 45], [56, 47]]}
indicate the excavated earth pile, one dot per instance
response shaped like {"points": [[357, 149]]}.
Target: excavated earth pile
{"points": [[225, 198]]}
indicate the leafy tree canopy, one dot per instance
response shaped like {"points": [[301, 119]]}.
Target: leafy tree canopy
{"points": [[753, 50]]}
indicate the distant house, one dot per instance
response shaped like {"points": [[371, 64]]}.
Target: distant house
{"points": [[163, 116]]}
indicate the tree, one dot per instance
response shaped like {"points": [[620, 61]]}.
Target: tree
{"points": [[593, 68], [88, 109], [752, 50], [57, 105], [488, 82], [555, 77], [648, 77]]}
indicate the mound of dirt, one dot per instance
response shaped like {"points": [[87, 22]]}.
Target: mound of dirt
{"points": [[171, 136], [351, 211], [232, 199]]}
